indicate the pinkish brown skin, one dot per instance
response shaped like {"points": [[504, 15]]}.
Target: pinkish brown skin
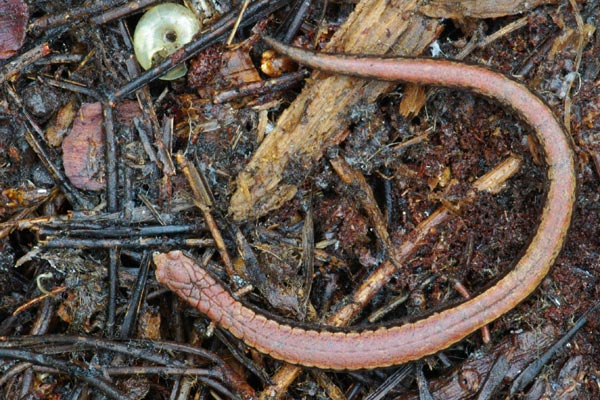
{"points": [[399, 344]]}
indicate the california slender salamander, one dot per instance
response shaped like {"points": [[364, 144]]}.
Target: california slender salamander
{"points": [[398, 344]]}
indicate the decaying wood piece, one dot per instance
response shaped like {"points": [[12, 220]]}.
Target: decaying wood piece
{"points": [[84, 146], [13, 26], [468, 379], [318, 115], [479, 8]]}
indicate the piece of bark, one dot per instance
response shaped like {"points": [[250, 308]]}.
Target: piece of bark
{"points": [[479, 8], [318, 116], [83, 148], [14, 15], [568, 385], [464, 382]]}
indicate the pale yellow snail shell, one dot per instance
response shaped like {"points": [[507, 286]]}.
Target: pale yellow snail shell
{"points": [[160, 32]]}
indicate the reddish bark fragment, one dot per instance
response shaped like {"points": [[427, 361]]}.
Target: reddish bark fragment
{"points": [[83, 148], [14, 15]]}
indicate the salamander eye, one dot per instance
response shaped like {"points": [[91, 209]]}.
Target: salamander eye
{"points": [[160, 32]]}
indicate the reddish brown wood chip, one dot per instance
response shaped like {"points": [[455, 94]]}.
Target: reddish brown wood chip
{"points": [[14, 15], [83, 147]]}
